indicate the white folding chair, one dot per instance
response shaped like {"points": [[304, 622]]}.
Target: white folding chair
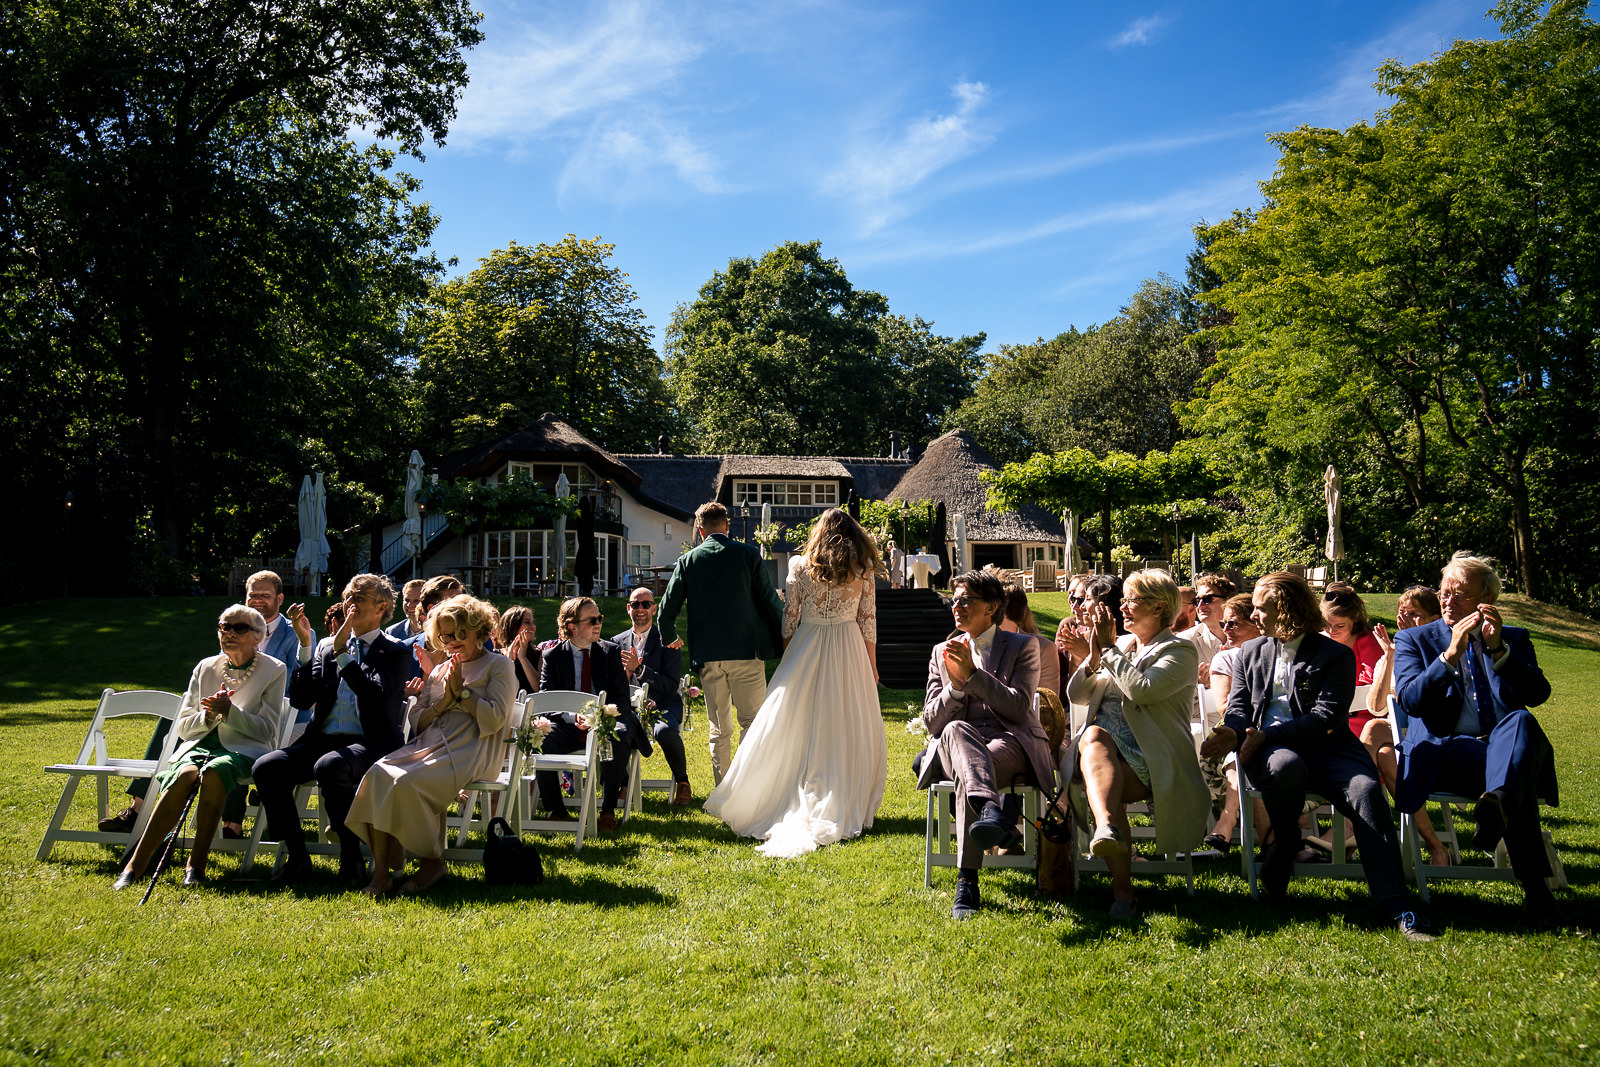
{"points": [[252, 813], [583, 766], [1445, 828], [637, 783], [94, 762], [474, 814]]}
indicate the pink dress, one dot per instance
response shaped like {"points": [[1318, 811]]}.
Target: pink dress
{"points": [[1368, 653]]}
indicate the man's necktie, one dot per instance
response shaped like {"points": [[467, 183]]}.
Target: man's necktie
{"points": [[1477, 677], [588, 673]]}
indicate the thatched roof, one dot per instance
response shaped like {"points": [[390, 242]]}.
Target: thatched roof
{"points": [[549, 440], [948, 472], [782, 467], [876, 476]]}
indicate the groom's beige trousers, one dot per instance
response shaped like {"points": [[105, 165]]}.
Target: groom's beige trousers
{"points": [[730, 684]]}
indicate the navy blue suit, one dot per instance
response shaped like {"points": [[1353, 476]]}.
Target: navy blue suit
{"points": [[660, 672], [1512, 755], [337, 761], [558, 670], [1314, 751]]}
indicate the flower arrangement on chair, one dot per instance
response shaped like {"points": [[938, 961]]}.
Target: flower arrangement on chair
{"points": [[603, 719], [691, 698], [530, 736]]}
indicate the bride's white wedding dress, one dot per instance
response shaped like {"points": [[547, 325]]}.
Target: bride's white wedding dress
{"points": [[811, 770]]}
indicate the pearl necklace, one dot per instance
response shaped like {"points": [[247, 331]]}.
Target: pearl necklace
{"points": [[231, 675]]}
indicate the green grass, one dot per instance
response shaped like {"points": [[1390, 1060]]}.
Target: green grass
{"points": [[671, 941]]}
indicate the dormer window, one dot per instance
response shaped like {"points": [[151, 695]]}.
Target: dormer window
{"points": [[786, 493]]}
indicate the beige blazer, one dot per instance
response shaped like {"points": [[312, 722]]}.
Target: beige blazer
{"points": [[1157, 689]]}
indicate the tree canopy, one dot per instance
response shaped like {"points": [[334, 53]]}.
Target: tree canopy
{"points": [[534, 329], [1417, 302], [782, 355]]}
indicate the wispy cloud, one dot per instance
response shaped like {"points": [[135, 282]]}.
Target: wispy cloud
{"points": [[881, 169], [621, 159], [537, 77], [1140, 31]]}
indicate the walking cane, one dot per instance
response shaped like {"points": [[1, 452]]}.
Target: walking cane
{"points": [[171, 842]]}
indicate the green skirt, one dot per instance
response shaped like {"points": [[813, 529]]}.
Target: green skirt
{"points": [[209, 755]]}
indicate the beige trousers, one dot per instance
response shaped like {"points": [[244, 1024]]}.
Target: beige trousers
{"points": [[731, 683]]}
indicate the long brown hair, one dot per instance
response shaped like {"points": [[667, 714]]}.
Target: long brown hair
{"points": [[839, 550]]}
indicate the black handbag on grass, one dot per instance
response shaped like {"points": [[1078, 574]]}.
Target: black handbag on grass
{"points": [[507, 859]]}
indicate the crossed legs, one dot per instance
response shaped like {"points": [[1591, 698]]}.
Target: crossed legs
{"points": [[1111, 786]]}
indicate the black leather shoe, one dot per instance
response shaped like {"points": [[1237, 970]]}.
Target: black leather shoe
{"points": [[1490, 819], [353, 870], [294, 869], [992, 828], [967, 901], [192, 877], [1415, 927], [120, 823]]}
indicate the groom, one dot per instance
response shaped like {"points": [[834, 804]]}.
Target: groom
{"points": [[735, 625]]}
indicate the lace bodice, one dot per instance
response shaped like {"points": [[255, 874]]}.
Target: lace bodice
{"points": [[809, 600]]}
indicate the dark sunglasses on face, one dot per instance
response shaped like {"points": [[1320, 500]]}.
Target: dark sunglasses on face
{"points": [[234, 628], [641, 603], [593, 620], [1208, 598], [1232, 624]]}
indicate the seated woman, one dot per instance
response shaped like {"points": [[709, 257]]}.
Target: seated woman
{"points": [[1137, 744], [1017, 617], [1237, 628], [1418, 606], [230, 715], [1345, 619], [517, 635], [458, 735]]}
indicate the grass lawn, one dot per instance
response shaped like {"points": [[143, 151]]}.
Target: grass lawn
{"points": [[672, 941]]}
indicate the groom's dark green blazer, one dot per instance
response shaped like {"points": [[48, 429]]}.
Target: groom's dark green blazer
{"points": [[734, 613]]}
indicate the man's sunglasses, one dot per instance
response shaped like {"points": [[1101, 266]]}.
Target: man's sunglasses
{"points": [[593, 621], [641, 604], [1208, 598]]}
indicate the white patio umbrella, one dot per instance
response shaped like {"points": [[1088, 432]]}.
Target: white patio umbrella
{"points": [[558, 551], [1072, 553], [411, 530], [961, 563], [311, 557], [1333, 491], [766, 520], [1194, 556]]}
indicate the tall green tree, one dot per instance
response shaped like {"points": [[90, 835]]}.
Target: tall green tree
{"points": [[782, 355], [539, 328], [1424, 290], [197, 262], [1114, 388]]}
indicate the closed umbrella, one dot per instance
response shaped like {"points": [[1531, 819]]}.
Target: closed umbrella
{"points": [[311, 556], [558, 551], [959, 523], [411, 530], [1072, 553], [939, 544], [1333, 490], [1194, 556], [766, 521]]}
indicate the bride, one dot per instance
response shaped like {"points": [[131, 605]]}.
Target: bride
{"points": [[811, 769]]}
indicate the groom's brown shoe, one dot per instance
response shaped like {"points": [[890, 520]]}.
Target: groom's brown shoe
{"points": [[681, 795], [607, 822]]}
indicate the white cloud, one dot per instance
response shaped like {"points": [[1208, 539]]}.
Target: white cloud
{"points": [[880, 169], [1140, 31], [529, 79], [621, 159]]}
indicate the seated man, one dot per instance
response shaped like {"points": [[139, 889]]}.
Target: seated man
{"points": [[410, 624], [984, 733], [355, 684], [650, 662], [1466, 682], [584, 662], [1288, 719], [1211, 593]]}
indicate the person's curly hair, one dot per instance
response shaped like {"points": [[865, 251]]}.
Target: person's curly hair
{"points": [[1296, 603], [466, 615], [840, 551], [511, 623], [376, 586]]}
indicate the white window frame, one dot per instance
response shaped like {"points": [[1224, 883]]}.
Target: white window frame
{"points": [[786, 492]]}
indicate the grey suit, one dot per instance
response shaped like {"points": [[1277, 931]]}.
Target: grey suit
{"points": [[988, 734], [1314, 751]]}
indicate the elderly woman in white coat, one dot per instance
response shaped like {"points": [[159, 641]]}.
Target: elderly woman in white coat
{"points": [[230, 715], [1136, 744], [459, 726]]}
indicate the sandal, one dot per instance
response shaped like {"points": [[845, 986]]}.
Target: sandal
{"points": [[1218, 842], [418, 884]]}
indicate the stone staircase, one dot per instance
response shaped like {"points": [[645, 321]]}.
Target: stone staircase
{"points": [[910, 623]]}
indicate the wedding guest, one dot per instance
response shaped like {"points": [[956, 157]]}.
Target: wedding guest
{"points": [[1211, 591], [1466, 682], [649, 661], [1287, 717], [1137, 744], [459, 724], [983, 732], [230, 714], [1017, 617], [355, 683], [1185, 617], [581, 661], [1237, 630], [410, 624], [518, 636]]}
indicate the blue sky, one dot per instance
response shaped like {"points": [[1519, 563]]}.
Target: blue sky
{"points": [[1015, 168]]}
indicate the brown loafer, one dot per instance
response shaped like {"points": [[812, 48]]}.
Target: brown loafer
{"points": [[122, 822], [681, 795], [607, 822]]}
